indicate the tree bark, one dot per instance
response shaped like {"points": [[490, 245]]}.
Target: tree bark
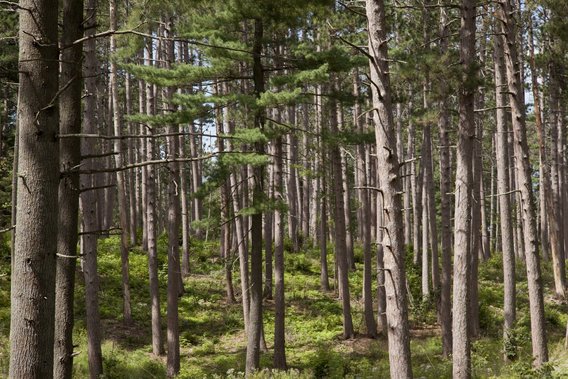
{"points": [[461, 354], [339, 225], [391, 189], [70, 157], [527, 204], [255, 314], [33, 272], [364, 214], [279, 302], [445, 202], [120, 182], [151, 222], [173, 221], [506, 226]]}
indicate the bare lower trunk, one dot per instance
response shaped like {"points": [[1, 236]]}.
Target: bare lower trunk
{"points": [[151, 222], [340, 227], [391, 186], [527, 204], [279, 302], [70, 157], [445, 205], [120, 182], [88, 199], [461, 354], [506, 227], [364, 212], [173, 222]]}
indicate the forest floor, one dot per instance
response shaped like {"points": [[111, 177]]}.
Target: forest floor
{"points": [[212, 338]]}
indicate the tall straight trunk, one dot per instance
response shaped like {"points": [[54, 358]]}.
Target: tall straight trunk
{"points": [[475, 235], [388, 170], [88, 200], [33, 271], [323, 200], [340, 226], [430, 232], [521, 152], [445, 202], [307, 179], [415, 184], [461, 354], [196, 203], [120, 182], [241, 246], [131, 174], [270, 227], [279, 302], [183, 184], [551, 209], [292, 184], [226, 234], [503, 189], [255, 312], [142, 156], [364, 212], [493, 200], [151, 222], [173, 220], [70, 157]]}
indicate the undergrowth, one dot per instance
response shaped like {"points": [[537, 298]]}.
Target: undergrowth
{"points": [[213, 342]]}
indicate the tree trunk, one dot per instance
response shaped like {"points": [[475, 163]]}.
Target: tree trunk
{"points": [[131, 146], [549, 191], [279, 302], [173, 221], [151, 226], [364, 212], [88, 200], [391, 187], [70, 157], [339, 225], [33, 271], [527, 204], [503, 188], [120, 183], [445, 202], [461, 355]]}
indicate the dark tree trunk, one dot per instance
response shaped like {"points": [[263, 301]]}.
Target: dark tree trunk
{"points": [[70, 157]]}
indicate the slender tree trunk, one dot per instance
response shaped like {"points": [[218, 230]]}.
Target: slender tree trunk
{"points": [[521, 152], [339, 226], [270, 227], [503, 188], [461, 353], [364, 215], [70, 157], [445, 203], [131, 146], [415, 184], [391, 187], [255, 314], [120, 182], [292, 192], [88, 200], [173, 221], [551, 192], [151, 226], [279, 302]]}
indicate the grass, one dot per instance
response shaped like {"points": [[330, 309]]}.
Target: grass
{"points": [[213, 342]]}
